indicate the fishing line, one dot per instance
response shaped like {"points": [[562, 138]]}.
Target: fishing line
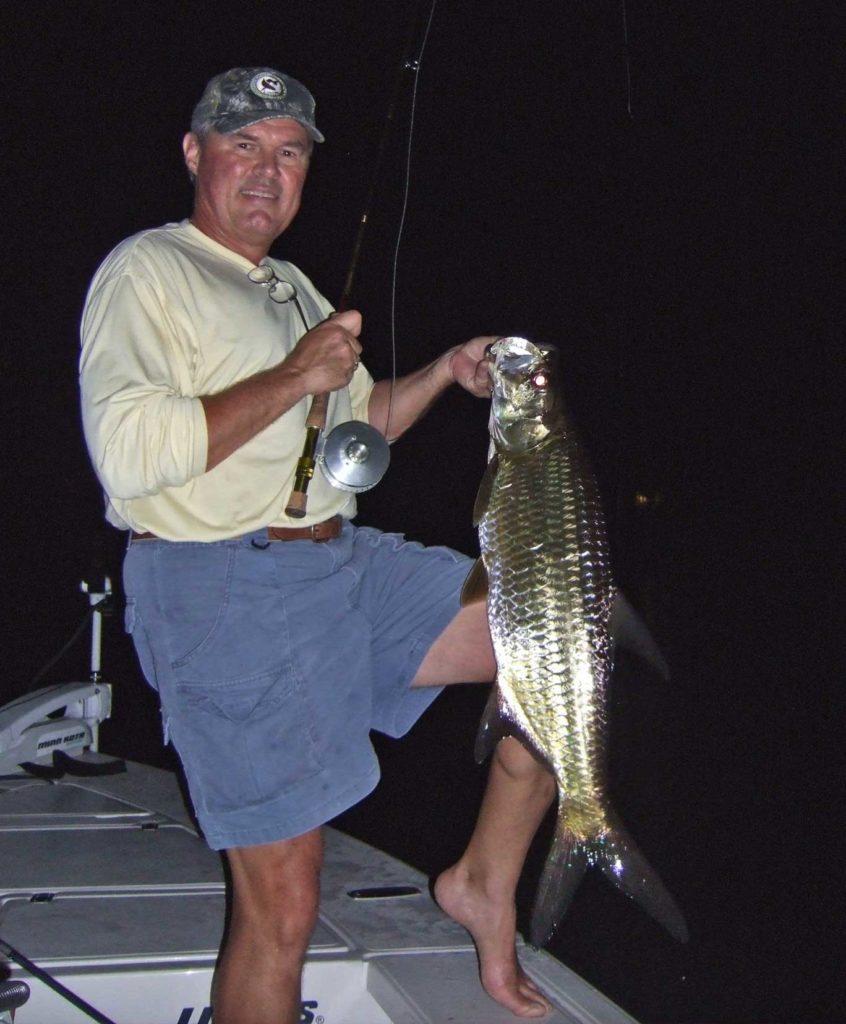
{"points": [[414, 66], [627, 58], [352, 444], [625, 275]]}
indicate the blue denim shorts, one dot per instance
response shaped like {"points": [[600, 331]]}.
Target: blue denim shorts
{"points": [[274, 660]]}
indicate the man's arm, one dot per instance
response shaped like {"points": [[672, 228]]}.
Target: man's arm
{"points": [[324, 360], [144, 428], [408, 398]]}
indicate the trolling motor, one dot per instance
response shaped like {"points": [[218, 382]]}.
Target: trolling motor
{"points": [[63, 719]]}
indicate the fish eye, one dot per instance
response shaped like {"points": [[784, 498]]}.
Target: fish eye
{"points": [[540, 380]]}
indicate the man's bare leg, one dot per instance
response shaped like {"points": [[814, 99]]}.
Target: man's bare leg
{"points": [[479, 891], [275, 896]]}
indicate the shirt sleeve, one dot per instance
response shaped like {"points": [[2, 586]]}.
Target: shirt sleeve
{"points": [[144, 427], [360, 389]]}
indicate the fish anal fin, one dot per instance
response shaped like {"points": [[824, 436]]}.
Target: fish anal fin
{"points": [[475, 587], [496, 724], [629, 631], [492, 728]]}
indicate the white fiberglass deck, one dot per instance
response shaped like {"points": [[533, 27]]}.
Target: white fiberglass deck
{"points": [[105, 883]]}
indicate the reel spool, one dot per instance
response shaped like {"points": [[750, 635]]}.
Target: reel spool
{"points": [[354, 456]]}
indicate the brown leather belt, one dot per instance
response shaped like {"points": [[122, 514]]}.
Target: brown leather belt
{"points": [[329, 529]]}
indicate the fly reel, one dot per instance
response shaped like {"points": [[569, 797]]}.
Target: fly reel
{"points": [[354, 456]]}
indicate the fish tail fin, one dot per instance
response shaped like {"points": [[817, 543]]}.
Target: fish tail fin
{"points": [[564, 870], [624, 865], [619, 860]]}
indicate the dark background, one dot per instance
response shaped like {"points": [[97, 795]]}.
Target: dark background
{"points": [[666, 214]]}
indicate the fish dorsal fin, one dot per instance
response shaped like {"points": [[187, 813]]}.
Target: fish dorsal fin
{"points": [[483, 495], [497, 723], [475, 587], [629, 630]]}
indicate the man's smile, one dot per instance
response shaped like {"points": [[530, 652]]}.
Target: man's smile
{"points": [[260, 193]]}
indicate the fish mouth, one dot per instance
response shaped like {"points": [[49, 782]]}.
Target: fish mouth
{"points": [[517, 357], [522, 401], [519, 369]]}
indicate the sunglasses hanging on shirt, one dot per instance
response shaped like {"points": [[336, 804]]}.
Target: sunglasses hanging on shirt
{"points": [[278, 291]]}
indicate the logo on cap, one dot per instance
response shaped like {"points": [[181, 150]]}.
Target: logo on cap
{"points": [[269, 87]]}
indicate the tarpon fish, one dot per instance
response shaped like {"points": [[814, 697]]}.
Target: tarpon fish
{"points": [[555, 617]]}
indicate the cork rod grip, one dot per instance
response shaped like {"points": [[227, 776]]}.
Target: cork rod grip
{"points": [[315, 422]]}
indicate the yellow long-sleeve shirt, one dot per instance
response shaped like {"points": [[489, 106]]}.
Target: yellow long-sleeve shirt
{"points": [[171, 315]]}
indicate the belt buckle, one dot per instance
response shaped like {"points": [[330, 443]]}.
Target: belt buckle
{"points": [[315, 529]]}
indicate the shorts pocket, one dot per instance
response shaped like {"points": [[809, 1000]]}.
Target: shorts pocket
{"points": [[197, 581], [135, 628], [244, 741]]}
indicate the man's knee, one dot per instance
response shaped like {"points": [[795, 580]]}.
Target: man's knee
{"points": [[463, 653], [520, 764], [276, 887]]}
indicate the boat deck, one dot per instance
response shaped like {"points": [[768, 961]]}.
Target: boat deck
{"points": [[105, 883]]}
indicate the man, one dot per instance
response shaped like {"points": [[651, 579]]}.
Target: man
{"points": [[276, 644]]}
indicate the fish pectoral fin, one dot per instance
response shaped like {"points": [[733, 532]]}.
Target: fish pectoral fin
{"points": [[629, 630], [475, 587], [483, 495]]}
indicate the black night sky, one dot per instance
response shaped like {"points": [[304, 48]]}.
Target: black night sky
{"points": [[664, 213]]}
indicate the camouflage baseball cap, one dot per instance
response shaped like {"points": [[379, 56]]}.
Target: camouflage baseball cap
{"points": [[245, 96]]}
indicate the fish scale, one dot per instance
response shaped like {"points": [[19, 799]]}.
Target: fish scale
{"points": [[554, 631], [551, 607]]}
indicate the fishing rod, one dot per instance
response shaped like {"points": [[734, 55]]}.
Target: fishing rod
{"points": [[355, 455]]}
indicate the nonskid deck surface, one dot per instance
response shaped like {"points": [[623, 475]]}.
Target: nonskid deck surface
{"points": [[105, 882], [123, 847]]}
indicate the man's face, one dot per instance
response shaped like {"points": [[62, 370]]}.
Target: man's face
{"points": [[248, 183]]}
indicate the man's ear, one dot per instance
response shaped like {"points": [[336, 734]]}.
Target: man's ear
{"points": [[191, 149]]}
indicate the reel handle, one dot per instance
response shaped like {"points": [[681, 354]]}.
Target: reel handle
{"points": [[315, 422]]}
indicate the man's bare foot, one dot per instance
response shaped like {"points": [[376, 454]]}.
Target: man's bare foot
{"points": [[492, 926]]}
